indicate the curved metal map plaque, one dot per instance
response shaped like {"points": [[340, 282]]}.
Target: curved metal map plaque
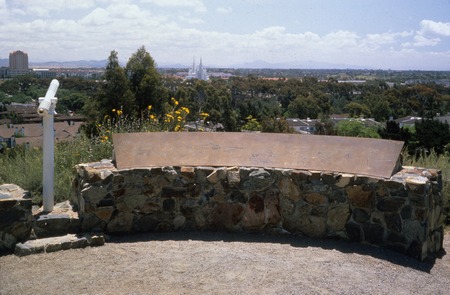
{"points": [[363, 156]]}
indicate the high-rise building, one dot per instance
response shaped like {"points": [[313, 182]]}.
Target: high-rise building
{"points": [[197, 72], [18, 60], [18, 63]]}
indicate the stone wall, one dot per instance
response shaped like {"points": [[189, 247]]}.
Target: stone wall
{"points": [[15, 216], [403, 213]]}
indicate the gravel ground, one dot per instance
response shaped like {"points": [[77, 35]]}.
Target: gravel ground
{"points": [[218, 263]]}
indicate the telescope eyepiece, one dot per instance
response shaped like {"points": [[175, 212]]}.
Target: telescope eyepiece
{"points": [[47, 103]]}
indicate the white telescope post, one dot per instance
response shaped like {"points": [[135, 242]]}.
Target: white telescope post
{"points": [[46, 110]]}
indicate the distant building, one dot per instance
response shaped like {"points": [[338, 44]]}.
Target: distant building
{"points": [[444, 118], [18, 60], [220, 75], [307, 126], [408, 122], [197, 72], [18, 63], [3, 72], [411, 120], [44, 73]]}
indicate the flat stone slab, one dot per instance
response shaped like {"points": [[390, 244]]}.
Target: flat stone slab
{"points": [[362, 156], [62, 220], [12, 191], [53, 244]]}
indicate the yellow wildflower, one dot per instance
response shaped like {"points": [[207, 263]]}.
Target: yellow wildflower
{"points": [[149, 107], [169, 118]]}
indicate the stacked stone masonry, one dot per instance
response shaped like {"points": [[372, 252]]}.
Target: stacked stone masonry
{"points": [[15, 216], [404, 213]]}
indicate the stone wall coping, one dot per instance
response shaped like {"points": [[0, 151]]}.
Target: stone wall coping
{"points": [[12, 191], [408, 174]]}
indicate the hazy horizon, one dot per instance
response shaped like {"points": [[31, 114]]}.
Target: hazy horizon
{"points": [[396, 35]]}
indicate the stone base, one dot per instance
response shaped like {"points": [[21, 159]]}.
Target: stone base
{"points": [[53, 244], [62, 220]]}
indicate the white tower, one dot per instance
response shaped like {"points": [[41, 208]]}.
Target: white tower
{"points": [[197, 72]]}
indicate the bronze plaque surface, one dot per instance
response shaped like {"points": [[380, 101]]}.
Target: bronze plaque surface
{"points": [[363, 156]]}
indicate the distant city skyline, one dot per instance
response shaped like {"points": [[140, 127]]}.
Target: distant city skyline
{"points": [[373, 34]]}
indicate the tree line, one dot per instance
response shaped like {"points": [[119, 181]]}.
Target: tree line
{"points": [[247, 102]]}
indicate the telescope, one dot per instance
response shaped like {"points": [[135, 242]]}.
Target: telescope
{"points": [[46, 110], [47, 104]]}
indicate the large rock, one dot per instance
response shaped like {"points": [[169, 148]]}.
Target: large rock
{"points": [[360, 196], [337, 218]]}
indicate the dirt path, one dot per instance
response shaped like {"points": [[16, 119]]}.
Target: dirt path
{"points": [[213, 263]]}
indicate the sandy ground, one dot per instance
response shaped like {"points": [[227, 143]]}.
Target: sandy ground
{"points": [[218, 263]]}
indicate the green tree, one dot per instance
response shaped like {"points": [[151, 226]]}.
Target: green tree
{"points": [[428, 99], [145, 81], [393, 131], [303, 107], [380, 111], [356, 109], [70, 101], [355, 128], [113, 94], [430, 135]]}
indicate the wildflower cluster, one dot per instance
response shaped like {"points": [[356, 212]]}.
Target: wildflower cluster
{"points": [[175, 119]]}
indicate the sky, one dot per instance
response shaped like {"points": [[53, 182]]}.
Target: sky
{"points": [[376, 34]]}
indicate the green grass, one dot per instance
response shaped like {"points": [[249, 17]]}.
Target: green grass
{"points": [[23, 166]]}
